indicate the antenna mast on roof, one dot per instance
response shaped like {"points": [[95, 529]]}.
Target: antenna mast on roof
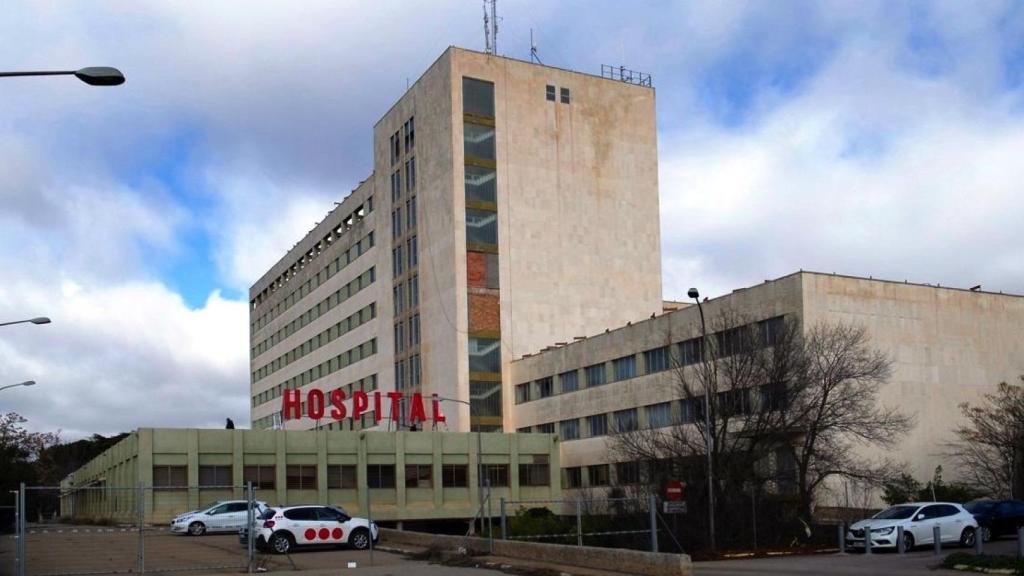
{"points": [[491, 26], [534, 57]]}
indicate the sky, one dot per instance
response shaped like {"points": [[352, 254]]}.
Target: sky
{"points": [[880, 139]]}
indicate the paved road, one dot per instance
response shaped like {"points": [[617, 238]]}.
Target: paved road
{"points": [[857, 564]]}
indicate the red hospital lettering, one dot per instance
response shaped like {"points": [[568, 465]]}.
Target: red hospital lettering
{"points": [[396, 398], [338, 401], [315, 404], [436, 406], [376, 407], [416, 411], [359, 403], [292, 404]]}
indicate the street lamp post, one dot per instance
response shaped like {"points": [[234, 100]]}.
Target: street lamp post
{"points": [[25, 383], [39, 320], [93, 76], [693, 293]]}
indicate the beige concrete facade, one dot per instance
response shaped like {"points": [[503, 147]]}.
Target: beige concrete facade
{"points": [[578, 244], [948, 346]]}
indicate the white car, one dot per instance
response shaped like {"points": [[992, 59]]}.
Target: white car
{"points": [[956, 525], [221, 516], [284, 528]]}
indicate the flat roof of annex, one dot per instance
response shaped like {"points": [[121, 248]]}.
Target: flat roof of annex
{"points": [[686, 309]]}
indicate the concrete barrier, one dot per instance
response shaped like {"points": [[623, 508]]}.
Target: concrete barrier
{"points": [[613, 559]]}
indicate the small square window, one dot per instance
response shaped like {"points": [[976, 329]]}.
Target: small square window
{"points": [[551, 93], [565, 95]]}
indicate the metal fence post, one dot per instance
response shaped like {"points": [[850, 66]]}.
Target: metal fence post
{"points": [[867, 540], [579, 523], [652, 506], [490, 525], [140, 505], [841, 528], [901, 544], [250, 526], [22, 533], [369, 521], [504, 527], [937, 539], [1020, 542], [979, 541]]}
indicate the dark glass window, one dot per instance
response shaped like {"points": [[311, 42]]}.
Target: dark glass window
{"points": [[771, 330], [262, 477], [478, 141], [597, 425], [595, 375], [477, 97], [656, 360], [419, 476], [626, 420], [569, 429], [548, 428], [624, 368], [496, 474], [565, 95], [301, 476], [341, 476], [380, 475], [481, 227], [659, 415], [484, 398], [170, 477], [549, 92], [301, 514], [598, 475], [690, 351], [522, 393], [481, 184], [215, 476], [569, 381], [536, 472], [484, 355], [572, 477], [453, 476], [545, 387], [627, 473]]}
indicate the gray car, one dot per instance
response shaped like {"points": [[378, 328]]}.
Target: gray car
{"points": [[221, 516]]}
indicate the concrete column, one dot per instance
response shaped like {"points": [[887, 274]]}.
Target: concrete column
{"points": [[192, 459], [400, 494], [321, 467], [238, 461], [438, 479], [281, 467], [144, 469]]}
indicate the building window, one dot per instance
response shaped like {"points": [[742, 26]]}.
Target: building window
{"points": [[477, 97], [396, 185], [481, 227], [733, 402], [774, 397], [568, 381], [485, 398], [771, 330], [301, 476], [262, 477], [341, 476], [550, 92], [569, 429], [485, 355], [598, 475], [572, 477], [398, 295], [481, 184], [415, 370], [690, 351], [548, 428], [170, 477], [565, 95], [419, 476], [545, 387], [412, 247], [496, 474], [397, 261], [478, 141], [525, 430], [414, 330], [624, 368], [522, 393], [215, 476], [626, 420], [659, 415], [627, 473], [380, 475], [453, 476], [414, 291], [595, 375], [656, 360], [597, 425], [536, 472], [396, 222], [400, 375], [410, 213]]}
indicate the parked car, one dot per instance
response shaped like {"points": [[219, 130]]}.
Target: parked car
{"points": [[956, 525], [282, 529], [997, 517], [221, 516]]}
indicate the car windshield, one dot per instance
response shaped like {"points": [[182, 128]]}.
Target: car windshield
{"points": [[339, 509], [896, 513], [268, 514], [980, 506]]}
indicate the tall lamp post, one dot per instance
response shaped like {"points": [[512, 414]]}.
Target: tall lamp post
{"points": [[693, 293], [479, 456], [93, 76], [25, 383], [39, 320]]}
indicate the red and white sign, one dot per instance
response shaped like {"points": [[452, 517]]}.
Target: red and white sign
{"points": [[674, 491], [317, 405]]}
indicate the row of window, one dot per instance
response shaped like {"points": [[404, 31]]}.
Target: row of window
{"points": [[688, 352], [365, 384], [353, 321], [407, 137], [333, 267], [333, 300], [410, 217], [405, 257], [345, 476], [406, 295], [408, 373], [407, 338], [321, 370], [549, 92], [728, 403], [346, 224]]}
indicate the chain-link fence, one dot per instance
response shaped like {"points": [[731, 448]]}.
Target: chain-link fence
{"points": [[634, 523], [102, 529]]}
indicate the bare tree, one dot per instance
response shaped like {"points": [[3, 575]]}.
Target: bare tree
{"points": [[786, 405], [990, 445]]}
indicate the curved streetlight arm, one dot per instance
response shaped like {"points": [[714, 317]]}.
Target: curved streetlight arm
{"points": [[26, 383], [93, 75], [39, 320]]}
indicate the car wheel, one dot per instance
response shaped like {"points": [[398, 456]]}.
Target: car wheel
{"points": [[197, 529], [986, 534], [360, 539], [967, 537], [281, 543], [908, 541]]}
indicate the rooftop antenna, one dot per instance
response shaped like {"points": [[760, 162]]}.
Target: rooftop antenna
{"points": [[534, 57], [491, 26]]}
